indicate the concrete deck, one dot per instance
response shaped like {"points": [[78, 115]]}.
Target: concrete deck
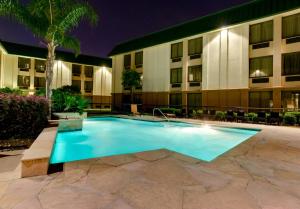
{"points": [[262, 173]]}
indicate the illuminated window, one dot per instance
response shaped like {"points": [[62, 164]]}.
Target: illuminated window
{"points": [[23, 82], [88, 71], [262, 32], [176, 50], [138, 59], [176, 75], [291, 26], [195, 73], [261, 67], [39, 66], [23, 64], [291, 63], [195, 46]]}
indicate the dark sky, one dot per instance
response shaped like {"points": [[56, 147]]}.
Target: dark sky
{"points": [[121, 20]]}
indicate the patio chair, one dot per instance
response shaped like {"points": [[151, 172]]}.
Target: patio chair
{"points": [[230, 116], [134, 110], [261, 117], [274, 118], [240, 116]]}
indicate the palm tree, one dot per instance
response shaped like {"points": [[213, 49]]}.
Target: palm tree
{"points": [[52, 21]]}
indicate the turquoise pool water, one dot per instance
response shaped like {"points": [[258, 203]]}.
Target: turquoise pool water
{"points": [[109, 136]]}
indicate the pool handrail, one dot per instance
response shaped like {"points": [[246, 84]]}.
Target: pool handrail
{"points": [[159, 110]]}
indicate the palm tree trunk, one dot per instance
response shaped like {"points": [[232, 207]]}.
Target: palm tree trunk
{"points": [[49, 74], [132, 95]]}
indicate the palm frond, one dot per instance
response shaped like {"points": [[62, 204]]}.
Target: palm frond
{"points": [[78, 13], [15, 10], [72, 43]]}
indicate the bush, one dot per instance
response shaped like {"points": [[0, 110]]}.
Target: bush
{"points": [[7, 90], [171, 111], [66, 99], [251, 116], [22, 117], [197, 113], [220, 115], [289, 118]]}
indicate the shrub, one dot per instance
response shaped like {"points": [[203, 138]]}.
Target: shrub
{"points": [[220, 115], [66, 99], [251, 116], [7, 90], [289, 118], [197, 113], [22, 117]]}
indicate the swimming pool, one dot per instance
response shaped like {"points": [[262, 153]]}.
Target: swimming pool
{"points": [[107, 136]]}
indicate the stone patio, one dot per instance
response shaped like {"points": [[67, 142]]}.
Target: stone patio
{"points": [[262, 173]]}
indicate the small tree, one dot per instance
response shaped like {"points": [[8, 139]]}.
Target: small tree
{"points": [[131, 79]]}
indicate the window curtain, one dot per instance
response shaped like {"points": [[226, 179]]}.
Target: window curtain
{"points": [[260, 99], [291, 64], [261, 67], [176, 50], [261, 32], [195, 73], [195, 46], [176, 75], [291, 26]]}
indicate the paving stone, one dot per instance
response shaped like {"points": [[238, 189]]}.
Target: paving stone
{"points": [[118, 204], [268, 196], [119, 160], [21, 190], [153, 155], [32, 203], [228, 198], [150, 195], [211, 179], [70, 197], [169, 171]]}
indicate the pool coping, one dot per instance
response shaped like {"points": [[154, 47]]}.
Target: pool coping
{"points": [[35, 161]]}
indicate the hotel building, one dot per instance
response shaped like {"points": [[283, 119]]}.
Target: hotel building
{"points": [[23, 67], [243, 57]]}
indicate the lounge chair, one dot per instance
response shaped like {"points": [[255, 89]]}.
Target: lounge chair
{"points": [[134, 110], [261, 117], [274, 118], [240, 116], [230, 116]]}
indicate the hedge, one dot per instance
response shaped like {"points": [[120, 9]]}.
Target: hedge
{"points": [[22, 117]]}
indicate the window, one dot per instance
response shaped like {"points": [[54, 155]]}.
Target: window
{"points": [[138, 59], [176, 75], [262, 32], [194, 100], [77, 85], [176, 50], [88, 71], [195, 46], [23, 64], [291, 26], [23, 81], [261, 67], [291, 99], [76, 70], [39, 82], [195, 73], [175, 100], [291, 63], [39, 66], [260, 99], [88, 86], [127, 61]]}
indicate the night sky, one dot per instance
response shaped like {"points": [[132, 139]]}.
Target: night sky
{"points": [[124, 20]]}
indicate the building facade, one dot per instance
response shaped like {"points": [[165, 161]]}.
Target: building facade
{"points": [[246, 57], [23, 67]]}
